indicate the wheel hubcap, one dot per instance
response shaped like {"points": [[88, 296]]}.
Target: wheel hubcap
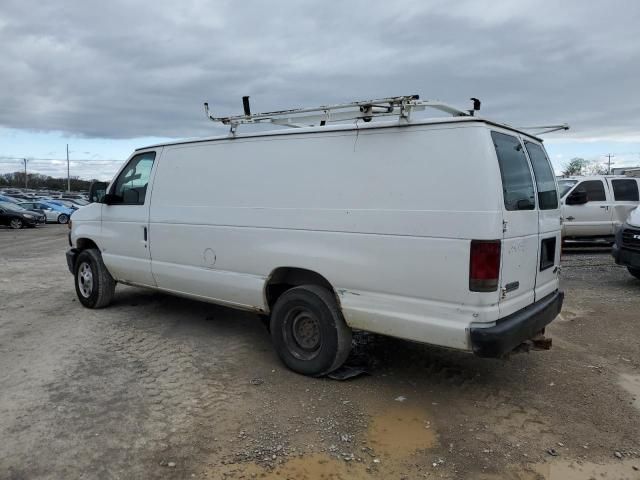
{"points": [[15, 223], [301, 330], [85, 279], [306, 331]]}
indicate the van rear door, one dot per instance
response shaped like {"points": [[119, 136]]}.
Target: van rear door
{"points": [[549, 243], [519, 256]]}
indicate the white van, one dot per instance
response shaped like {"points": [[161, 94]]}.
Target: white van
{"points": [[443, 230], [594, 206]]}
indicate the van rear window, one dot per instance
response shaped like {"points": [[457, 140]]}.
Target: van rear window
{"points": [[517, 184], [545, 180]]}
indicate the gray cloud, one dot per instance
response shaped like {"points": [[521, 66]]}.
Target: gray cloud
{"points": [[124, 69]]}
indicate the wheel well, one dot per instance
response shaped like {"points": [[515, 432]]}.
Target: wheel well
{"points": [[85, 243], [285, 278]]}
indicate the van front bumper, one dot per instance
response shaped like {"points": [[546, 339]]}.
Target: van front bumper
{"points": [[511, 331]]}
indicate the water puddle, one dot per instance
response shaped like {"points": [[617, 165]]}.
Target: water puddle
{"points": [[618, 470], [631, 383], [400, 432]]}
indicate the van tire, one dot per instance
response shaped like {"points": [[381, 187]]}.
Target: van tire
{"points": [[94, 284], [634, 271], [309, 332]]}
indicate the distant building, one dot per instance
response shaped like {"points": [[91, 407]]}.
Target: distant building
{"points": [[628, 171]]}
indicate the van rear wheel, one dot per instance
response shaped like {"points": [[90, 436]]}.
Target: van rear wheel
{"points": [[94, 284], [309, 331]]}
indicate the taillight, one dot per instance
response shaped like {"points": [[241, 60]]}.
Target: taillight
{"points": [[484, 266]]}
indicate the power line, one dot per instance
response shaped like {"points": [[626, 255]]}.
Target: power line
{"points": [[82, 160]]}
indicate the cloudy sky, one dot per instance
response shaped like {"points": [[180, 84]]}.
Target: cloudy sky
{"points": [[107, 77]]}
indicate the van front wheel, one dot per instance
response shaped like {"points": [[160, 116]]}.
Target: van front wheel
{"points": [[309, 331], [94, 284]]}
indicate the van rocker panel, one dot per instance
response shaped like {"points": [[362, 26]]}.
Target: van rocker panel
{"points": [[511, 331]]}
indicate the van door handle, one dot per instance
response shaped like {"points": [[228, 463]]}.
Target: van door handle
{"points": [[604, 206], [571, 218], [144, 233]]}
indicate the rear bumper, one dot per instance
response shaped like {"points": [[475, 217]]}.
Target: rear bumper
{"points": [[71, 255], [511, 331]]}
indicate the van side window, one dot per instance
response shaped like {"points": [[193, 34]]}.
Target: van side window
{"points": [[545, 180], [517, 184], [130, 187], [625, 190]]}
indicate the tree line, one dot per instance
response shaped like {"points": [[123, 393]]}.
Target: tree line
{"points": [[39, 181], [580, 166]]}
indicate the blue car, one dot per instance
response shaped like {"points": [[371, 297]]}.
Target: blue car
{"points": [[53, 211], [4, 198]]}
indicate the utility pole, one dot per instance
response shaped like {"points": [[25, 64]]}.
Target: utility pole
{"points": [[68, 177], [609, 167], [25, 172]]}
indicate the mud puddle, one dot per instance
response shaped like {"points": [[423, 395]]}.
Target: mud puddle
{"points": [[309, 467], [631, 383], [394, 435], [400, 431], [618, 470]]}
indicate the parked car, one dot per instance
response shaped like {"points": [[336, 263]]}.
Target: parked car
{"points": [[74, 204], [73, 196], [6, 198], [54, 212], [78, 202], [443, 231], [16, 217], [626, 249], [592, 207], [63, 203]]}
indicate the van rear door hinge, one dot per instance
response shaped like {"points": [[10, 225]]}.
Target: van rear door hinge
{"points": [[504, 226]]}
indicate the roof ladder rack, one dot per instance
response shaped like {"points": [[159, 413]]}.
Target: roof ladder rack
{"points": [[365, 110], [542, 129]]}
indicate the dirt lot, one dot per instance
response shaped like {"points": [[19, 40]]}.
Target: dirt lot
{"points": [[156, 386]]}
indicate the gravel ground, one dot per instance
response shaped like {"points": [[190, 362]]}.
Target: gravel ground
{"points": [[158, 386]]}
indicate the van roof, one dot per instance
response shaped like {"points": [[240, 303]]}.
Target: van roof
{"points": [[346, 127]]}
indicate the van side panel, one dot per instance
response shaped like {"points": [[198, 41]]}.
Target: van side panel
{"points": [[386, 215]]}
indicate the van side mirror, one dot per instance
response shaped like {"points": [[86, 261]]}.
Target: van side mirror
{"points": [[97, 191], [577, 197], [110, 199]]}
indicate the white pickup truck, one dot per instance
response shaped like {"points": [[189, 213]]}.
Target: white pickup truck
{"points": [[592, 207]]}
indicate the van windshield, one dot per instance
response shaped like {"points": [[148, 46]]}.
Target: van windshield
{"points": [[564, 186]]}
